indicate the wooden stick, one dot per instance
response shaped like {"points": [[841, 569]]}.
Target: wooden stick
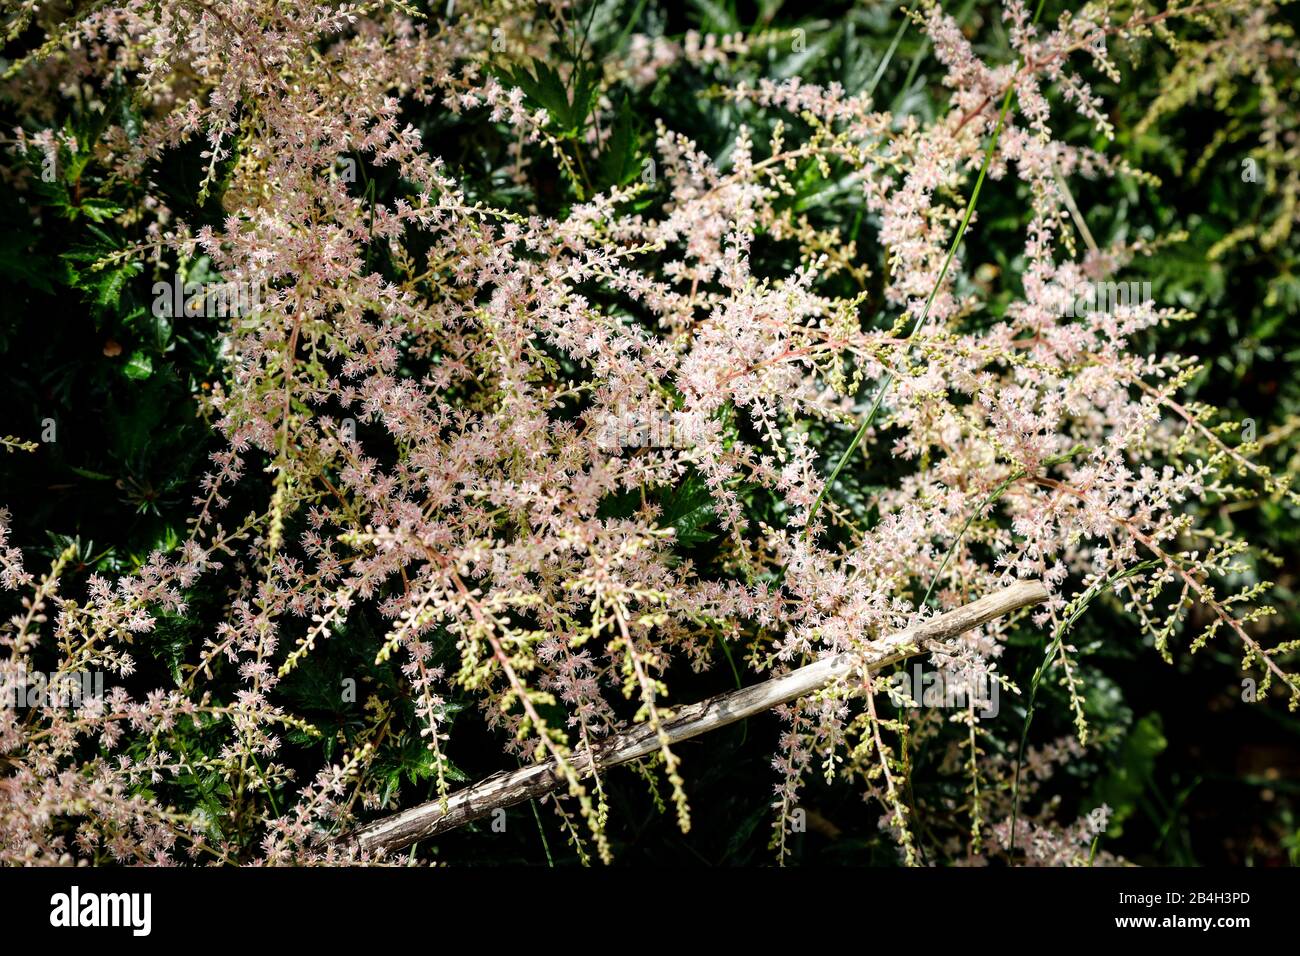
{"points": [[506, 788]]}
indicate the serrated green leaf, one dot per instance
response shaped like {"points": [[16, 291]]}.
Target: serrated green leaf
{"points": [[138, 366]]}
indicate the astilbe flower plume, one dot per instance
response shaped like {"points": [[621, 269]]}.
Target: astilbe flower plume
{"points": [[432, 440]]}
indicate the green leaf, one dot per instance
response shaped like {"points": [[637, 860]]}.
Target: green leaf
{"points": [[545, 88], [1131, 774], [94, 273], [618, 163], [138, 366], [92, 475], [688, 510], [97, 209]]}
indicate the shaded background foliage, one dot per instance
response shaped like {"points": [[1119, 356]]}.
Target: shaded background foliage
{"points": [[1195, 775]]}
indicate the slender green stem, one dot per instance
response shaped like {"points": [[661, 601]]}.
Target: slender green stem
{"points": [[627, 27], [270, 793], [889, 54], [546, 845], [993, 496], [1053, 647], [934, 292]]}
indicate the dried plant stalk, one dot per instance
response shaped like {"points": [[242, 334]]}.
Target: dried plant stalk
{"points": [[507, 788]]}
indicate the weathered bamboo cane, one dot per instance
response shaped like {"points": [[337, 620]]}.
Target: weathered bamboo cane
{"points": [[506, 788]]}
